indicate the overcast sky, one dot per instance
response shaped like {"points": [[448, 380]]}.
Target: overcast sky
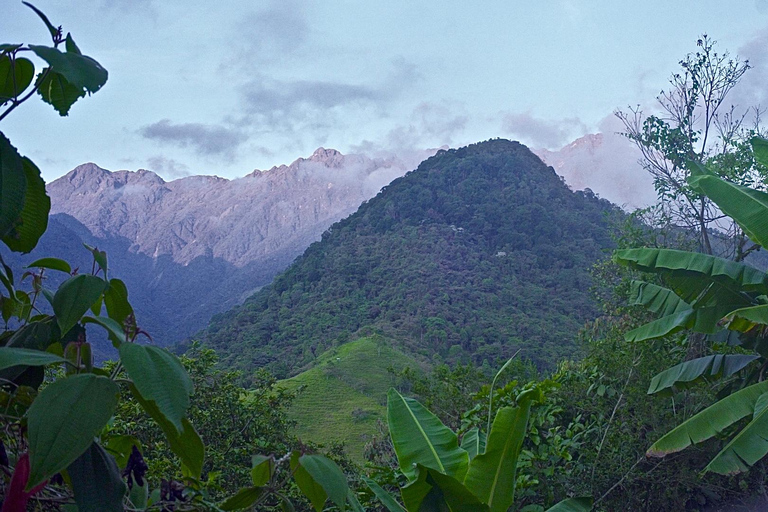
{"points": [[226, 87]]}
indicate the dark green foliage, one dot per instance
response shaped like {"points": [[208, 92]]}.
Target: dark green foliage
{"points": [[479, 252], [233, 422]]}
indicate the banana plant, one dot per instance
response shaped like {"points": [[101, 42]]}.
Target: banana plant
{"points": [[724, 301], [478, 475]]}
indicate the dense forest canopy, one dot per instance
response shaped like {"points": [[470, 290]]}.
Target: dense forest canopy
{"points": [[479, 252]]}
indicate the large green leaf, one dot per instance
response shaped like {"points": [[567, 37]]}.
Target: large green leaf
{"points": [[701, 270], [419, 437], [711, 421], [688, 372], [308, 486], [474, 442], [186, 444], [74, 297], [748, 207], [760, 149], [64, 419], [36, 336], [314, 473], [582, 504], [79, 70], [435, 491], [704, 320], [663, 326], [96, 481], [10, 356], [114, 330], [746, 447], [116, 300], [244, 498], [386, 499], [745, 319], [262, 468], [33, 219], [55, 90], [51, 263], [159, 377], [491, 476], [13, 186], [657, 299], [14, 77]]}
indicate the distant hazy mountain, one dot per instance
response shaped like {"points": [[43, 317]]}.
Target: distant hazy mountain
{"points": [[607, 164], [195, 246], [254, 218]]}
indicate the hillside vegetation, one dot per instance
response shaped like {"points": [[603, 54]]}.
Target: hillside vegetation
{"points": [[344, 396], [478, 252]]}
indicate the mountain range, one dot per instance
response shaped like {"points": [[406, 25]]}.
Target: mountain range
{"points": [[196, 246], [192, 247]]}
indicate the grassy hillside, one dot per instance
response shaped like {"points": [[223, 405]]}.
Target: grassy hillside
{"points": [[344, 394]]}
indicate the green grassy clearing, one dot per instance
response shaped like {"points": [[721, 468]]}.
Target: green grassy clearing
{"points": [[344, 395]]}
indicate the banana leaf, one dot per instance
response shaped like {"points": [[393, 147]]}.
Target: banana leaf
{"points": [[703, 270], [491, 476], [748, 207], [704, 320], [714, 420], [656, 298], [474, 442], [748, 446], [433, 490], [689, 372], [746, 319], [419, 437], [581, 504]]}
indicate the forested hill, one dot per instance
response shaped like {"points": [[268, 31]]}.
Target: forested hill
{"points": [[480, 251]]}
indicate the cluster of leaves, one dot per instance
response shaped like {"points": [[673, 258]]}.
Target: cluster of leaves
{"points": [[491, 252], [233, 421], [442, 474], [720, 301], [551, 461]]}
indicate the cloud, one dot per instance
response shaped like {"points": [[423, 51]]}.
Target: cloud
{"points": [[432, 125], [540, 132], [167, 167], [204, 139], [751, 90], [299, 104], [275, 99], [277, 30]]}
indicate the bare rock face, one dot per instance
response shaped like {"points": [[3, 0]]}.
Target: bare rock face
{"points": [[239, 221], [196, 246]]}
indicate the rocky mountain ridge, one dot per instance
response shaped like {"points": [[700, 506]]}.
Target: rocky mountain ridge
{"points": [[240, 221]]}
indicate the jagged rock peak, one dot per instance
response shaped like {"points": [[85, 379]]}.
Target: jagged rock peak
{"points": [[329, 157], [85, 171], [91, 174]]}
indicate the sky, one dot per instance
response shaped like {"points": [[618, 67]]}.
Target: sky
{"points": [[200, 87]]}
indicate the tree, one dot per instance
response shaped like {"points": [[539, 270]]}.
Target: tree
{"points": [[698, 123]]}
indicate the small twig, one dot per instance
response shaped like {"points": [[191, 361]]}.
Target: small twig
{"points": [[609, 491]]}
